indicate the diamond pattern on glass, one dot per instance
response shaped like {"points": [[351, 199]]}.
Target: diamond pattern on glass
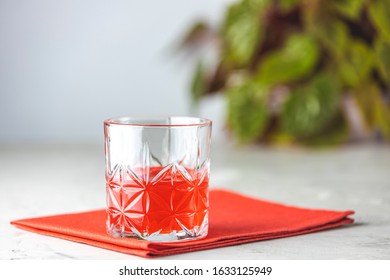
{"points": [[158, 200]]}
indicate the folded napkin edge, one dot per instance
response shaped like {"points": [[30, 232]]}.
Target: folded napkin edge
{"points": [[151, 252], [82, 240], [330, 219], [248, 196], [235, 241]]}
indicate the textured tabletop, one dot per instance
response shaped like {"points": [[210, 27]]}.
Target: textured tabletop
{"points": [[44, 180]]}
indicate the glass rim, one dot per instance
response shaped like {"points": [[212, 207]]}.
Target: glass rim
{"points": [[152, 121]]}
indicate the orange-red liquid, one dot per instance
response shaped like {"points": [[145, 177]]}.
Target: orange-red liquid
{"points": [[157, 200]]}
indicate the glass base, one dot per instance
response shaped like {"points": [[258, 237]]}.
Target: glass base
{"points": [[174, 236]]}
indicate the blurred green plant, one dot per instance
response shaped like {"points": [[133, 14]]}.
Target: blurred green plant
{"points": [[309, 71]]}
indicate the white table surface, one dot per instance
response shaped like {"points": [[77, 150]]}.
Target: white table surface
{"points": [[44, 180]]}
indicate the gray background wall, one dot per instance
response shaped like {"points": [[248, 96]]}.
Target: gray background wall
{"points": [[66, 65]]}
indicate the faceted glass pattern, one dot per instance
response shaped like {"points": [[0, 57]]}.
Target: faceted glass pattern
{"points": [[157, 174]]}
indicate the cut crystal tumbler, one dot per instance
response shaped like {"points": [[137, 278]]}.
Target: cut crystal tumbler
{"points": [[157, 176]]}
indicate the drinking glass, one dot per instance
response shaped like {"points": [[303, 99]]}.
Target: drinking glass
{"points": [[157, 177]]}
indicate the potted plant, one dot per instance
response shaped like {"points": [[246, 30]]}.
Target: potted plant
{"points": [[299, 71]]}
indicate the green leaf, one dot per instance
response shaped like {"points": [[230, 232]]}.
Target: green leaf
{"points": [[295, 60], [348, 8], [380, 15], [356, 65], [374, 109], [247, 110], [195, 33], [364, 96], [333, 35], [287, 5], [382, 53], [241, 30], [198, 85], [335, 134], [382, 117], [309, 110], [257, 5]]}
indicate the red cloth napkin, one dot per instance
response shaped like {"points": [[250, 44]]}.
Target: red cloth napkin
{"points": [[234, 219]]}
